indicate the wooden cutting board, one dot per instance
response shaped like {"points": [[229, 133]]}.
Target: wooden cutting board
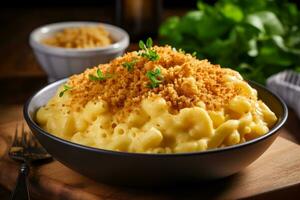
{"points": [[275, 174]]}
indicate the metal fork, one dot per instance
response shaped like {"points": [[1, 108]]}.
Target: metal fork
{"points": [[26, 149]]}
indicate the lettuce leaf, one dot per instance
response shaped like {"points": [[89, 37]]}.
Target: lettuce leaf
{"points": [[256, 37]]}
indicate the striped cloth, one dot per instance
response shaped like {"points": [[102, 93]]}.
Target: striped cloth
{"points": [[287, 85]]}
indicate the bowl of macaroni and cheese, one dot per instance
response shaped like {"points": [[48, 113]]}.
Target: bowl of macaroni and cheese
{"points": [[68, 48], [155, 116]]}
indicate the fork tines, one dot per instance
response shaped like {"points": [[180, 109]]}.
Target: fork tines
{"points": [[26, 139]]}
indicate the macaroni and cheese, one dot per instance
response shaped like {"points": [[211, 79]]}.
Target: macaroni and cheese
{"points": [[168, 103]]}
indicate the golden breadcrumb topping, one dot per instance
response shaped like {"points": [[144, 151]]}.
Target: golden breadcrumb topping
{"points": [[186, 81], [80, 37]]}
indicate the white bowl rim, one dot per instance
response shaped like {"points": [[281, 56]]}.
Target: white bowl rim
{"points": [[114, 47]]}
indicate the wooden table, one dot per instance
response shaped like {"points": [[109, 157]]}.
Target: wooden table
{"points": [[20, 74], [275, 175]]}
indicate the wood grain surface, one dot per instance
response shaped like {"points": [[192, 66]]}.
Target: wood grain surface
{"points": [[276, 170]]}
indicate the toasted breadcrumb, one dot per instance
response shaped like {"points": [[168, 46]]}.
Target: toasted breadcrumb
{"points": [[80, 38], [186, 82]]}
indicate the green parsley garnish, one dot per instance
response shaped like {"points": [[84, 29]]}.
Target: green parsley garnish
{"points": [[100, 76], [148, 53], [66, 88], [249, 35], [181, 51], [155, 78], [130, 65], [194, 54]]}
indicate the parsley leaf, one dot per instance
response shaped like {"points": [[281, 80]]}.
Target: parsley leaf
{"points": [[155, 78], [100, 76], [148, 52], [260, 34], [181, 51], [130, 65], [66, 88]]}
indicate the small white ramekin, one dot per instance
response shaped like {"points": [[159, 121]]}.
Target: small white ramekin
{"points": [[62, 62]]}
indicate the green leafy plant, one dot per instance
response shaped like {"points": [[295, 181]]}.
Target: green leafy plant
{"points": [[99, 76], [155, 78], [130, 65], [148, 52], [66, 88], [255, 37]]}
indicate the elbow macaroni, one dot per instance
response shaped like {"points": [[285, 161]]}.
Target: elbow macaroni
{"points": [[151, 128]]}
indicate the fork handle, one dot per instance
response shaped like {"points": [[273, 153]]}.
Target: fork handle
{"points": [[21, 190]]}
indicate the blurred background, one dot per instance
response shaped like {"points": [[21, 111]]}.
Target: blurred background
{"points": [[18, 66], [256, 37]]}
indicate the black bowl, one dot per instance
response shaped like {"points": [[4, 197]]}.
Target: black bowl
{"points": [[153, 169]]}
